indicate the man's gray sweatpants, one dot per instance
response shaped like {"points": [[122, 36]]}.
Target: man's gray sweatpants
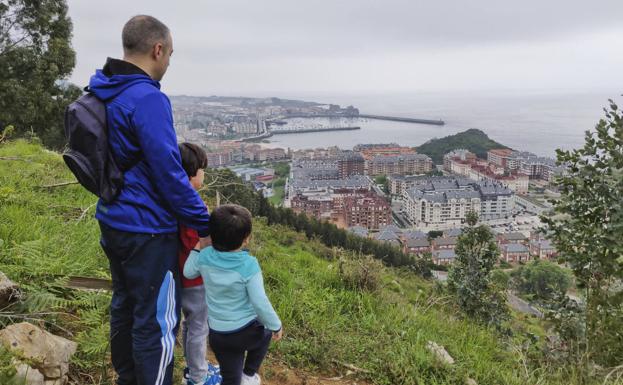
{"points": [[195, 332]]}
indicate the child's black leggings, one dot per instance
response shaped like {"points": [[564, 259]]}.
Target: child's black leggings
{"points": [[230, 349]]}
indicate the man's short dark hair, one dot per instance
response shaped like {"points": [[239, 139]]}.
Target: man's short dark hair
{"points": [[230, 225], [141, 32], [193, 158]]}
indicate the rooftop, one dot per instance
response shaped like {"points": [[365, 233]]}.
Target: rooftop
{"points": [[502, 152], [359, 230], [398, 158], [392, 228], [414, 234], [515, 248], [454, 232], [444, 254], [445, 241], [385, 235], [419, 242], [544, 244], [354, 181], [315, 173], [443, 189], [515, 236]]}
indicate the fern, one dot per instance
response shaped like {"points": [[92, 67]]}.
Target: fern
{"points": [[41, 301], [93, 341]]}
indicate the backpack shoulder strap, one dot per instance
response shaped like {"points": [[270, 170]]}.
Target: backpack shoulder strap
{"points": [[105, 124]]}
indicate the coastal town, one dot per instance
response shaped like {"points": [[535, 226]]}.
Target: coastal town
{"points": [[387, 192], [204, 119]]}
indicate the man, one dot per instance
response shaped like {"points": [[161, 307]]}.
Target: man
{"points": [[139, 228]]}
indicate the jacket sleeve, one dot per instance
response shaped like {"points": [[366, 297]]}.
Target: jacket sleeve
{"points": [[153, 122], [191, 270], [261, 304]]}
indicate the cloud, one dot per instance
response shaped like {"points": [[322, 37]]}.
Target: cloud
{"points": [[357, 45]]}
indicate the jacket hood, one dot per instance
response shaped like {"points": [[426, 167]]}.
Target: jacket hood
{"points": [[240, 261], [106, 88]]}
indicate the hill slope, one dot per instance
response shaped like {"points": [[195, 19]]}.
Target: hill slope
{"points": [[473, 140], [338, 311]]}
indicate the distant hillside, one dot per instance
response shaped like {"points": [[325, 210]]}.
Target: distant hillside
{"points": [[473, 140], [243, 101]]}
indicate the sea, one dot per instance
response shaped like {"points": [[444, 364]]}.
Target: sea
{"points": [[535, 121]]}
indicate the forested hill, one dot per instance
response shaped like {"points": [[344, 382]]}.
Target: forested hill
{"points": [[473, 140]]}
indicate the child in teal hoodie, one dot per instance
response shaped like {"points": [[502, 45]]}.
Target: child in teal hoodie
{"points": [[241, 318]]}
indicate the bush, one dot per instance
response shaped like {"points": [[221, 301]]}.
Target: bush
{"points": [[541, 280], [504, 265], [434, 234], [362, 273], [500, 278]]}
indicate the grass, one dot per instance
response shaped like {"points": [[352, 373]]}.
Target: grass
{"points": [[49, 233], [279, 193], [384, 332]]}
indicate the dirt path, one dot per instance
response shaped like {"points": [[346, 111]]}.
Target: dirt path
{"points": [[280, 374]]}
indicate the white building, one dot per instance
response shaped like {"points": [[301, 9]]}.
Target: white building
{"points": [[309, 187], [448, 200]]}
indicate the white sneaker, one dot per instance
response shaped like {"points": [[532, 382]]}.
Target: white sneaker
{"points": [[246, 380]]}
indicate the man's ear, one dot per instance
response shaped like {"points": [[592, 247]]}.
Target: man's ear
{"points": [[158, 50]]}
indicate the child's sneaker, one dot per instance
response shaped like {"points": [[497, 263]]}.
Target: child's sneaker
{"points": [[186, 376], [212, 379], [214, 369], [248, 380]]}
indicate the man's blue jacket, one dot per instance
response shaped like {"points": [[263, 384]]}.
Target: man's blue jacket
{"points": [[156, 193]]}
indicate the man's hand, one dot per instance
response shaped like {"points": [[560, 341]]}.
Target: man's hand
{"points": [[205, 242], [277, 335]]}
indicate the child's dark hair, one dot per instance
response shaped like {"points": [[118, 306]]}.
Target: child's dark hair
{"points": [[193, 158], [230, 225]]}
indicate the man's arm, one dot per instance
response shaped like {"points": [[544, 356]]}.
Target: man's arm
{"points": [[154, 129]]}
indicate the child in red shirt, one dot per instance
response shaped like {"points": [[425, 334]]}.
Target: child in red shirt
{"points": [[194, 308]]}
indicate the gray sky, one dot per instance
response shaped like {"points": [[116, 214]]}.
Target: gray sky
{"points": [[294, 47]]}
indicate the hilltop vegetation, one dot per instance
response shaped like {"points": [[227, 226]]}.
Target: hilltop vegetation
{"points": [[473, 140]]}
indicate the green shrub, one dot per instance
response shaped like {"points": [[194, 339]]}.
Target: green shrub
{"points": [[362, 273], [541, 280]]}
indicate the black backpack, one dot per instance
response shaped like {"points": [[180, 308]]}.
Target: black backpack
{"points": [[88, 155]]}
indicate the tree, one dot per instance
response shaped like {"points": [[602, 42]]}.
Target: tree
{"points": [[232, 190], [542, 280], [470, 276], [586, 230], [382, 180], [36, 58], [500, 278]]}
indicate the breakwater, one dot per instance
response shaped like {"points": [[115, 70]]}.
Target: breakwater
{"points": [[303, 130], [269, 133], [438, 122]]}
